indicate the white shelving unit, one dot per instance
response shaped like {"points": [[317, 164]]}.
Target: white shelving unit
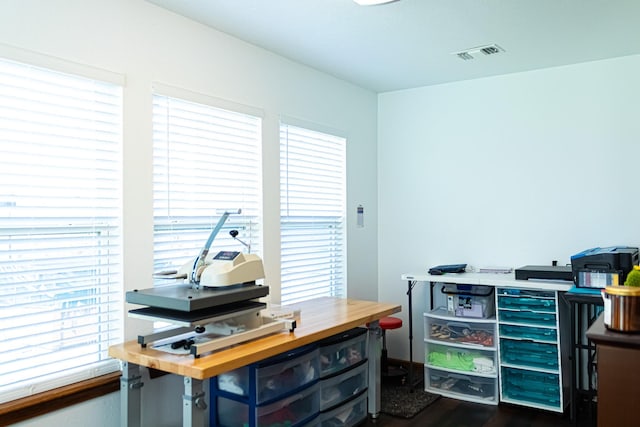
{"points": [[529, 346], [451, 341]]}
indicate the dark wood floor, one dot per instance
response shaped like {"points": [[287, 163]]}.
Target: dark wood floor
{"points": [[447, 412]]}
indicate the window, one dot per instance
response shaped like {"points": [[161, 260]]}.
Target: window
{"points": [[205, 160], [60, 246], [312, 214]]}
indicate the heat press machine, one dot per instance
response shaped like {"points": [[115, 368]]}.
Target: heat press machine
{"points": [[215, 304]]}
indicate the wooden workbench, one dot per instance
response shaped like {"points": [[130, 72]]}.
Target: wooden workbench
{"points": [[319, 318]]}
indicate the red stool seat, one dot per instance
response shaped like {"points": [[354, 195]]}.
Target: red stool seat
{"points": [[390, 323]]}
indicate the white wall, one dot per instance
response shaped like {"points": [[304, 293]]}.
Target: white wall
{"points": [[511, 170], [146, 44]]}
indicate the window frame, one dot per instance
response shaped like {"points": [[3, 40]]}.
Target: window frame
{"points": [[34, 405], [341, 289], [250, 225]]}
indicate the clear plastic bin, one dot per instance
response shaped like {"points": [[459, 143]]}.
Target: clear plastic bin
{"points": [[468, 386], [338, 389], [477, 361], [348, 414], [342, 351], [470, 300], [293, 410], [460, 332], [274, 377]]}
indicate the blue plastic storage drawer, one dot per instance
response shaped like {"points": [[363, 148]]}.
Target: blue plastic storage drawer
{"points": [[527, 317], [528, 353], [546, 305], [526, 293], [342, 351], [534, 387], [529, 332], [293, 410], [274, 377]]}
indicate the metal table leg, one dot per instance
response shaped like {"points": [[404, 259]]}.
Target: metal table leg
{"points": [[130, 395], [194, 404], [375, 351]]}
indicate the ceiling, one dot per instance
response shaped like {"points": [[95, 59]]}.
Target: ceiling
{"points": [[411, 43]]}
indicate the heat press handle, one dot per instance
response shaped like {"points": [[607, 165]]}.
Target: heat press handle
{"points": [[199, 262]]}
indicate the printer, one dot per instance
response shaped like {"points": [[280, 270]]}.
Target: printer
{"points": [[602, 267]]}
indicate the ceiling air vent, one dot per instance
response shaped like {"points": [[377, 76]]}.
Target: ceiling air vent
{"points": [[464, 56], [468, 54], [490, 50]]}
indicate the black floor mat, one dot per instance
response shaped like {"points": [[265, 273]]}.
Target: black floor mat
{"points": [[404, 402]]}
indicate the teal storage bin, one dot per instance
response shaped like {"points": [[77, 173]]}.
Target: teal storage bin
{"points": [[529, 354], [529, 332], [527, 303], [534, 387], [527, 318]]}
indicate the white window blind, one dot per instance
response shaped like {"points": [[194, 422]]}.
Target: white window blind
{"points": [[60, 246], [206, 160], [312, 214]]}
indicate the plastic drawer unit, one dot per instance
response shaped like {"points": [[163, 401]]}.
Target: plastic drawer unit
{"points": [[475, 361], [463, 387], [518, 306], [342, 351], [529, 333], [489, 338], [538, 388], [274, 377], [340, 388], [531, 361], [440, 328], [529, 354], [293, 410], [461, 354], [283, 387], [349, 414]]}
